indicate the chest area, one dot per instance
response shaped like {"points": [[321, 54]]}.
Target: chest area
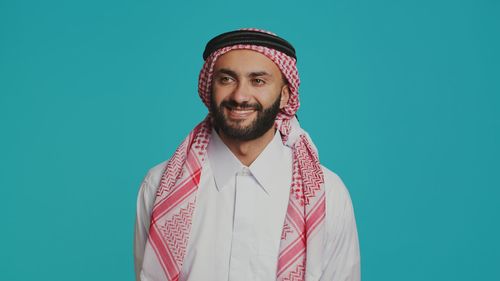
{"points": [[236, 228]]}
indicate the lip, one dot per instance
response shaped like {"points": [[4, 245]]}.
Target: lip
{"points": [[238, 114]]}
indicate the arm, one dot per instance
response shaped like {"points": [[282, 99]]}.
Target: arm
{"points": [[342, 258], [142, 221]]}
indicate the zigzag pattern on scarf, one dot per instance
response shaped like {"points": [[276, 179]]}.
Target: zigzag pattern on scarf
{"points": [[309, 177], [174, 205], [296, 275], [198, 141], [286, 230], [175, 231], [173, 168]]}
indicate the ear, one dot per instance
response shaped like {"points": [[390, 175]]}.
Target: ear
{"points": [[285, 95]]}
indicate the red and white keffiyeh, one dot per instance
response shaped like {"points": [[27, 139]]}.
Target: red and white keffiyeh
{"points": [[303, 228]]}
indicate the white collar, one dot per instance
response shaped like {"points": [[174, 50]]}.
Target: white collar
{"points": [[271, 169]]}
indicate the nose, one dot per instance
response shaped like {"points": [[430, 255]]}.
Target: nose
{"points": [[241, 93]]}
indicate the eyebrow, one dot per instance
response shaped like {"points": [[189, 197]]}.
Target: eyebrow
{"points": [[250, 74]]}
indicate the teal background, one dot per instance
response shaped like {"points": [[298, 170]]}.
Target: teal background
{"points": [[401, 98]]}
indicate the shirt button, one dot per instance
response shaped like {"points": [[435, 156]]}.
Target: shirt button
{"points": [[245, 171]]}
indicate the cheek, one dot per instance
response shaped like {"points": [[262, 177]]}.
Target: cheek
{"points": [[269, 96], [221, 92], [217, 94]]}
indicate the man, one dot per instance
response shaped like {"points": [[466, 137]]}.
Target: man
{"points": [[244, 197]]}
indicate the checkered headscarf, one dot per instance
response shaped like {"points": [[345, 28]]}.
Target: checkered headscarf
{"points": [[303, 229]]}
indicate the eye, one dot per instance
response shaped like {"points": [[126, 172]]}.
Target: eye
{"points": [[225, 79], [258, 81]]}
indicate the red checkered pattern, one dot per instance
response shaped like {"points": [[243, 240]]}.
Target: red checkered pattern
{"points": [[176, 196]]}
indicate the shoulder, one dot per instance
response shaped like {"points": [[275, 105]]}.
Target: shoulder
{"points": [[152, 179], [147, 193], [334, 186], [338, 200], [154, 173], [340, 219]]}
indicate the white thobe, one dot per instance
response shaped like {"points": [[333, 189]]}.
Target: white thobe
{"points": [[239, 216]]}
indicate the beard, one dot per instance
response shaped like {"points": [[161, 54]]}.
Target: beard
{"points": [[258, 127]]}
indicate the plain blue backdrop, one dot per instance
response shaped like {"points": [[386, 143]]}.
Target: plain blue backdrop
{"points": [[401, 98]]}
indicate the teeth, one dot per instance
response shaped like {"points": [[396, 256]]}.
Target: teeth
{"points": [[242, 110]]}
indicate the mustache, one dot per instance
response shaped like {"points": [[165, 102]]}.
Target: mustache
{"points": [[231, 104]]}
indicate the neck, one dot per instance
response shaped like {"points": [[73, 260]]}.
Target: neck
{"points": [[247, 151]]}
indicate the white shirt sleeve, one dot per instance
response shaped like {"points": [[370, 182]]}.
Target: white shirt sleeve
{"points": [[145, 201], [141, 229], [142, 221], [342, 259]]}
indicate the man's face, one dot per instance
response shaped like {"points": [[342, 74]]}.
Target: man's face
{"points": [[247, 94]]}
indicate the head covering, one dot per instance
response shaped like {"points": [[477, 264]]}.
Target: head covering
{"points": [[303, 228], [249, 37]]}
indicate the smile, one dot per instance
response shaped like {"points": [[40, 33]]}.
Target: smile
{"points": [[239, 113]]}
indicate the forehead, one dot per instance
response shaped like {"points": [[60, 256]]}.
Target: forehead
{"points": [[246, 61]]}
